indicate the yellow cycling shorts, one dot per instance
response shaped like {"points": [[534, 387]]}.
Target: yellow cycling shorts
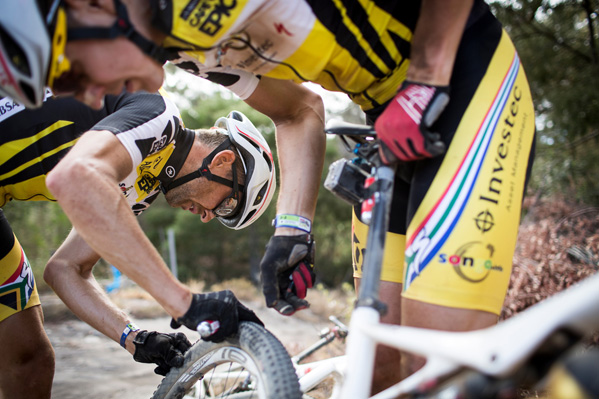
{"points": [[18, 290], [395, 245], [461, 229]]}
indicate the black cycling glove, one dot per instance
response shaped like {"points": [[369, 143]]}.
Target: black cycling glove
{"points": [[221, 306], [287, 271], [166, 350]]}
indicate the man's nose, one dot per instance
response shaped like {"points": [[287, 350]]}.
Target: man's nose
{"points": [[207, 216], [152, 84], [93, 96]]}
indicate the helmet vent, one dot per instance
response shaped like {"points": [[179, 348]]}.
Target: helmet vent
{"points": [[248, 217], [251, 142], [237, 116], [267, 159], [260, 194], [16, 55], [28, 91]]}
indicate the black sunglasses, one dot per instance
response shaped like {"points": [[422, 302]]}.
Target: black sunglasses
{"points": [[229, 205]]}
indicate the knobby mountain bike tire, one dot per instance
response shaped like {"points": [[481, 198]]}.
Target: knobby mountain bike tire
{"points": [[251, 364]]}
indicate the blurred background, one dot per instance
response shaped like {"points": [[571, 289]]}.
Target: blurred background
{"points": [[558, 45]]}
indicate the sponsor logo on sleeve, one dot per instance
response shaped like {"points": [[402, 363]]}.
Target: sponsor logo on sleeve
{"points": [[208, 16]]}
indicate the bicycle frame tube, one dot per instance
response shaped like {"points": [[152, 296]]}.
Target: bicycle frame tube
{"points": [[360, 346], [375, 242], [496, 351], [311, 374], [499, 351]]}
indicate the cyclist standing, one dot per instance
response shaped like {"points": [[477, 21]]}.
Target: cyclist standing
{"points": [[444, 87], [139, 148]]}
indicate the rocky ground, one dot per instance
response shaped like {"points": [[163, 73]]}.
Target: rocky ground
{"points": [[558, 245], [91, 366]]}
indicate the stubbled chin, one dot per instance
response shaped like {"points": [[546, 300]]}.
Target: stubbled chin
{"points": [[67, 84], [70, 85]]}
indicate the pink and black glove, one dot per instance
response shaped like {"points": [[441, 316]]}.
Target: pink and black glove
{"points": [[403, 127], [286, 272]]}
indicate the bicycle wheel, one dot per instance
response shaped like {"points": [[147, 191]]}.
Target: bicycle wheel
{"points": [[251, 364]]}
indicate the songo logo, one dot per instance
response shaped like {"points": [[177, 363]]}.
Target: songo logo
{"points": [[473, 261]]}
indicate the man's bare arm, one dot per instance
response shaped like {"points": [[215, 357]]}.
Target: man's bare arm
{"points": [[436, 39], [85, 183], [69, 273], [298, 114]]}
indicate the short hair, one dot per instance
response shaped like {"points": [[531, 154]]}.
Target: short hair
{"points": [[212, 138]]}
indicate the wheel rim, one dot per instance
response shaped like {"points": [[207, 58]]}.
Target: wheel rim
{"points": [[226, 372]]}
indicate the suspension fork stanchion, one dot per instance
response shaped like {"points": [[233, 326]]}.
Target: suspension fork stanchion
{"points": [[360, 347], [327, 339]]}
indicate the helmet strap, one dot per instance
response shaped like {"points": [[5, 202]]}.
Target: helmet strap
{"points": [[122, 27], [204, 171]]}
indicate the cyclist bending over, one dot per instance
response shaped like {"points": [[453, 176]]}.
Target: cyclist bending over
{"points": [[442, 83], [132, 148]]}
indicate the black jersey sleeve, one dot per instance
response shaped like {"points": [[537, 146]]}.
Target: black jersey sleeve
{"points": [[143, 122]]}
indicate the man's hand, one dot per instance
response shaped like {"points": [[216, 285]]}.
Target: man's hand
{"points": [[287, 272], [403, 128], [166, 350], [221, 306]]}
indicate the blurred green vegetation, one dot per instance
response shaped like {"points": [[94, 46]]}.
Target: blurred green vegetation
{"points": [[211, 252], [207, 252], [557, 42], [40, 227]]}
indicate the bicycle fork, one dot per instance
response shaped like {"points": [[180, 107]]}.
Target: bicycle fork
{"points": [[360, 346]]}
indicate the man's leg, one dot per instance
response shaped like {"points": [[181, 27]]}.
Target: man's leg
{"points": [[387, 370], [27, 361], [387, 360], [26, 356], [426, 315]]}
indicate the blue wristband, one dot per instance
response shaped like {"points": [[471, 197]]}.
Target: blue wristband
{"points": [[128, 329], [293, 221]]}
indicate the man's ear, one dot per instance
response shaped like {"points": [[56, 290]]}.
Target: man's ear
{"points": [[223, 158]]}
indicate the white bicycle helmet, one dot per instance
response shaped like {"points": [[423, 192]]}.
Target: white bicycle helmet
{"points": [[32, 42], [260, 176], [248, 201]]}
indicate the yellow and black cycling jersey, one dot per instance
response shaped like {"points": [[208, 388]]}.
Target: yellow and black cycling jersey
{"points": [[33, 142], [359, 47], [454, 218]]}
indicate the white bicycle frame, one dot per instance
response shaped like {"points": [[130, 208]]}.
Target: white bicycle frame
{"points": [[496, 351]]}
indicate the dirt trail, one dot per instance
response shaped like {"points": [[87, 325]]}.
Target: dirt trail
{"points": [[91, 366]]}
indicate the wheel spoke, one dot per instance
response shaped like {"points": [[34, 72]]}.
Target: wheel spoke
{"points": [[235, 369]]}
